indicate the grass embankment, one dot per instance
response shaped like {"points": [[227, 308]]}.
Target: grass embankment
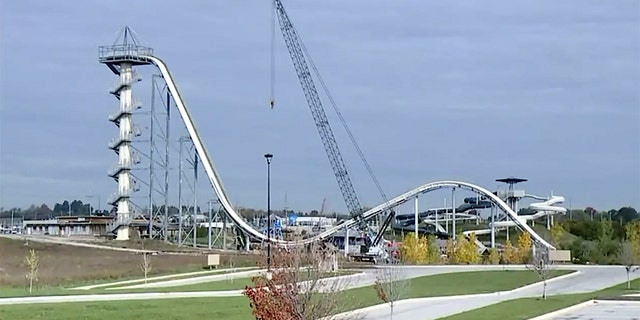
{"points": [[66, 265], [106, 286], [526, 308], [208, 285], [237, 308]]}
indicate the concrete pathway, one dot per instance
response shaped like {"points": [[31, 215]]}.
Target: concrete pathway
{"points": [[365, 278], [597, 310], [169, 276], [589, 278], [193, 280]]}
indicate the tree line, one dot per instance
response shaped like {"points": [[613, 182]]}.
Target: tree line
{"points": [[79, 208]]}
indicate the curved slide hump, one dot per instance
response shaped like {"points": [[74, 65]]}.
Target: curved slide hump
{"points": [[216, 182], [549, 205]]}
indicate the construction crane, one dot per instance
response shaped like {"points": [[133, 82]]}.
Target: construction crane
{"points": [[299, 56], [322, 207]]}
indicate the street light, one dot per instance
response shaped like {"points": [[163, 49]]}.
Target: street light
{"points": [[268, 156]]}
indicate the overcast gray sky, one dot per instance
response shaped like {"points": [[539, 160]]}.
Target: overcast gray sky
{"points": [[469, 90]]}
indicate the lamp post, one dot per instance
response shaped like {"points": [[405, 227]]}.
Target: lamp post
{"points": [[268, 156]]}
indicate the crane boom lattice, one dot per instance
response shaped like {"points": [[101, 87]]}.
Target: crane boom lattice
{"points": [[295, 49]]}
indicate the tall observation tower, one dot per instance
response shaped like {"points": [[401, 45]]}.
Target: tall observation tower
{"points": [[121, 57]]}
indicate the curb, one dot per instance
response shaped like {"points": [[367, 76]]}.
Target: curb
{"points": [[552, 314]]}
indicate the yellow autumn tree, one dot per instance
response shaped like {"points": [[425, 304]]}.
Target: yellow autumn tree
{"points": [[414, 250], [524, 248], [451, 251], [494, 256], [509, 253], [433, 252], [632, 232], [556, 234], [466, 249]]}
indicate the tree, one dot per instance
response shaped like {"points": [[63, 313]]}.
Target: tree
{"points": [[509, 253], [295, 289], [541, 265], [629, 259], [390, 286], [433, 252], [626, 214], [632, 235], [557, 231], [630, 250], [145, 265], [450, 251], [494, 256], [466, 249], [414, 250], [524, 248], [32, 260], [606, 248]]}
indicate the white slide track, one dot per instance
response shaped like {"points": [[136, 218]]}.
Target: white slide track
{"points": [[544, 209], [216, 182]]}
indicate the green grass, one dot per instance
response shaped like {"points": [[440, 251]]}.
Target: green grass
{"points": [[215, 285], [238, 307], [451, 284], [221, 285], [234, 308], [526, 308], [59, 290]]}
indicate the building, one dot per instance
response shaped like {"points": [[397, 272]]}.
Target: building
{"points": [[68, 226]]}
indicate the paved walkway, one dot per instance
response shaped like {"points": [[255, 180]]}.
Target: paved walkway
{"points": [[599, 310], [169, 276], [589, 278]]}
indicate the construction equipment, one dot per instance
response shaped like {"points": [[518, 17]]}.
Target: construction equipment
{"points": [[299, 56]]}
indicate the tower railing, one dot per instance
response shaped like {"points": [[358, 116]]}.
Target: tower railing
{"points": [[129, 52], [126, 165], [120, 83], [135, 105]]}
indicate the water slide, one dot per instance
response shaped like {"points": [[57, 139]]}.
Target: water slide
{"points": [[543, 209], [221, 193], [406, 221]]}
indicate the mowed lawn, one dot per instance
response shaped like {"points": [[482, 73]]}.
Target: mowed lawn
{"points": [[59, 290], [214, 285], [526, 308], [233, 308]]}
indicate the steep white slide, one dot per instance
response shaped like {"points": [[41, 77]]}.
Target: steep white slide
{"points": [[216, 182]]}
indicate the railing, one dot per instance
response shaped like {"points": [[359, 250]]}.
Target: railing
{"points": [[125, 51], [135, 105], [115, 142], [119, 167], [135, 132], [118, 222], [120, 83]]}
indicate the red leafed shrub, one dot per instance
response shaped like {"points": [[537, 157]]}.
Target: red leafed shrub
{"points": [[291, 293]]}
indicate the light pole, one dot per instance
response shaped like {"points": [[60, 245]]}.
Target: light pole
{"points": [[268, 156]]}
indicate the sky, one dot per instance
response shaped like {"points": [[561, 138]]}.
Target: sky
{"points": [[432, 90]]}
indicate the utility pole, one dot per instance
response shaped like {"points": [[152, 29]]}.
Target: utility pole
{"points": [[268, 156], [209, 226]]}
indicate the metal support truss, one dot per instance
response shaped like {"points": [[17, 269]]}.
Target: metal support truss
{"points": [[187, 199]]}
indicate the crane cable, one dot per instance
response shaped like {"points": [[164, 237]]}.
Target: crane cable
{"points": [[273, 54], [344, 122]]}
